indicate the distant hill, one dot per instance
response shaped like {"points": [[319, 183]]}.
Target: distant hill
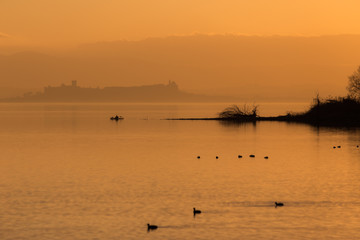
{"points": [[246, 67], [146, 93]]}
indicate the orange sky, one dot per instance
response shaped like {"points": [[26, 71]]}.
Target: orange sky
{"points": [[262, 66], [64, 22]]}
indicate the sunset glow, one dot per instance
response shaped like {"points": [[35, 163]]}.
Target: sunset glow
{"points": [[42, 22], [179, 119]]}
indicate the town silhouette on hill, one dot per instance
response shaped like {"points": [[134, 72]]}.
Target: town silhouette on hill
{"points": [[148, 93]]}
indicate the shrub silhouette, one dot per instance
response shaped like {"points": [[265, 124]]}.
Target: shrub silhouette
{"points": [[239, 114], [354, 84], [339, 111]]}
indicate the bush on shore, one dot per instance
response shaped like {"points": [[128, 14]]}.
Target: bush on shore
{"points": [[343, 111], [237, 113]]}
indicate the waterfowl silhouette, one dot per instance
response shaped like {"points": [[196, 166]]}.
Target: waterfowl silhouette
{"points": [[334, 147], [266, 157], [252, 156], [217, 157], [239, 156], [152, 227], [278, 204], [196, 211], [338, 146], [117, 118], [198, 157]]}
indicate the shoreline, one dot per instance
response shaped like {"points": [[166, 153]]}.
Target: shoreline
{"points": [[281, 118]]}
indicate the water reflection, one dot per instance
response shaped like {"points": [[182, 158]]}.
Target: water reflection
{"points": [[237, 124], [76, 175]]}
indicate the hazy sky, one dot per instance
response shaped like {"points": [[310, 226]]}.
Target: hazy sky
{"points": [[48, 22], [211, 65]]}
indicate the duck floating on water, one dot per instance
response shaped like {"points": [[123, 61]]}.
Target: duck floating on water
{"points": [[196, 211], [278, 204], [151, 227]]}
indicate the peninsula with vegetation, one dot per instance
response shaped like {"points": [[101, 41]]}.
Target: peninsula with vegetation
{"points": [[148, 93], [331, 111]]}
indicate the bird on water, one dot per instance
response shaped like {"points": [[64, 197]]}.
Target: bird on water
{"points": [[196, 211], [151, 227], [278, 204]]}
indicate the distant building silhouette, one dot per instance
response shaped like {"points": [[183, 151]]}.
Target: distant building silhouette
{"points": [[146, 93]]}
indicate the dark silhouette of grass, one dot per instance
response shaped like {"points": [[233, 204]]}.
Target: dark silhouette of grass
{"points": [[235, 113]]}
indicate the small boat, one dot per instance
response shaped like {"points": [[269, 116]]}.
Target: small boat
{"points": [[117, 118]]}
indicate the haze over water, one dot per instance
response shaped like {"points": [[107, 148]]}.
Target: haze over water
{"points": [[68, 172]]}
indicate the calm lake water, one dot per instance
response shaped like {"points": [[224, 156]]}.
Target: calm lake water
{"points": [[68, 172]]}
